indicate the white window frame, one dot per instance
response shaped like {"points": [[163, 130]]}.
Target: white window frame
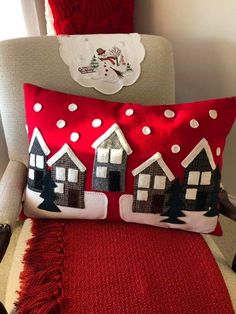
{"points": [[194, 177], [103, 155], [31, 174], [116, 156], [32, 160], [73, 175], [101, 172], [206, 178], [191, 194], [144, 180], [142, 195], [60, 188], [40, 161], [60, 173], [160, 182]]}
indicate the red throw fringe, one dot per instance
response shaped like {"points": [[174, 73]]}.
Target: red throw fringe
{"points": [[41, 280]]}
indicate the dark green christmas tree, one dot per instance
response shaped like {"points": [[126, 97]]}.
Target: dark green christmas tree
{"points": [[48, 194], [128, 67], [213, 204], [94, 62], [175, 204]]}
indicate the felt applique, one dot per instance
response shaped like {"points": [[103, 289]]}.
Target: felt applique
{"points": [[105, 62], [142, 164], [110, 160]]}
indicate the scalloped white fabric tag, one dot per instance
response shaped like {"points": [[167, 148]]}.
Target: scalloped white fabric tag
{"points": [[106, 62]]}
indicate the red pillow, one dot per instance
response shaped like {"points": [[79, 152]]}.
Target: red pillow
{"points": [[92, 17], [94, 159]]}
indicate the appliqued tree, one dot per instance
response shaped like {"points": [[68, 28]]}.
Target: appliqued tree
{"points": [[175, 204], [94, 62], [213, 204], [48, 194]]}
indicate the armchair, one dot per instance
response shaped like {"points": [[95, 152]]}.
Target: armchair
{"points": [[37, 60]]}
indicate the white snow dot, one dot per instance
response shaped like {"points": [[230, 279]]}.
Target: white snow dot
{"points": [[194, 124], [26, 128], [61, 124], [175, 149], [129, 112], [169, 113], [96, 123], [72, 107], [218, 151], [74, 137], [37, 107], [213, 114], [146, 130]]}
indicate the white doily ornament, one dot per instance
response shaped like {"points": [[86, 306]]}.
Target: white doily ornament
{"points": [[105, 62]]}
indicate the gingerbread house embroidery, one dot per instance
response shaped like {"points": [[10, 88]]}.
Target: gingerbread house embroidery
{"points": [[110, 160], [68, 172], [199, 166], [38, 152], [151, 183]]}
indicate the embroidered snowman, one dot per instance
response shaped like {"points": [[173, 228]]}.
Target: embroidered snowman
{"points": [[110, 69]]}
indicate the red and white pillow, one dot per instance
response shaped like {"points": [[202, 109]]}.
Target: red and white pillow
{"points": [[94, 159], [69, 17]]}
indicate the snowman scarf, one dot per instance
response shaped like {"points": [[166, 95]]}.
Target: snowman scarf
{"points": [[105, 62]]}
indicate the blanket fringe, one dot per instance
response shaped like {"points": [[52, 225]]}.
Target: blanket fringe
{"points": [[42, 289]]}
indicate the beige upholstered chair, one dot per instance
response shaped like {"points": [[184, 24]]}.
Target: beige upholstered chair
{"points": [[37, 60]]}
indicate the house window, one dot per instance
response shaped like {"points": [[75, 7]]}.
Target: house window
{"points": [[59, 188], [116, 156], [206, 178], [31, 174], [103, 155], [60, 173], [191, 194], [39, 161], [101, 172], [73, 175], [144, 180], [160, 182], [32, 160], [193, 177], [142, 195]]}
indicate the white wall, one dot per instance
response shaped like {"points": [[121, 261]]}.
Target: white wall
{"points": [[203, 36]]}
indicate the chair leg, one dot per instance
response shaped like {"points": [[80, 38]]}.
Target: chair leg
{"points": [[2, 309]]}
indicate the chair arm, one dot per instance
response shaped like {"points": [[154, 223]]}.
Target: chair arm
{"points": [[229, 210], [12, 186]]}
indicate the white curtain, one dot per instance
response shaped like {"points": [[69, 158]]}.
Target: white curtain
{"points": [[21, 18]]}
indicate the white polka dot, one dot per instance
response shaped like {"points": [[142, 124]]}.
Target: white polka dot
{"points": [[169, 113], [74, 137], [175, 149], [72, 107], [96, 123], [129, 112], [37, 107], [61, 124], [213, 114], [218, 151], [26, 128], [146, 130], [194, 124]]}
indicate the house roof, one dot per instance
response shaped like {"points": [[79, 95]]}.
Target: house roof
{"points": [[203, 144], [37, 134], [66, 149], [114, 128], [155, 158]]}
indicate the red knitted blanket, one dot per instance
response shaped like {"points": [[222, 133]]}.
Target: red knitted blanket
{"points": [[99, 267]]}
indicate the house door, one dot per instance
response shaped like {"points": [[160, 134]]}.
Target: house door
{"points": [[157, 204], [201, 201], [38, 180], [73, 198], [114, 181]]}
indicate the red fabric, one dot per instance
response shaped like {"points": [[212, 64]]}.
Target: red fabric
{"points": [[92, 17], [165, 132], [97, 267]]}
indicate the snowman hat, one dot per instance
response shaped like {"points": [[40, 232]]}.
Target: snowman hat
{"points": [[100, 51]]}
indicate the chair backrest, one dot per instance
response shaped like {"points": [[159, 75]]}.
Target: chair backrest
{"points": [[37, 60]]}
